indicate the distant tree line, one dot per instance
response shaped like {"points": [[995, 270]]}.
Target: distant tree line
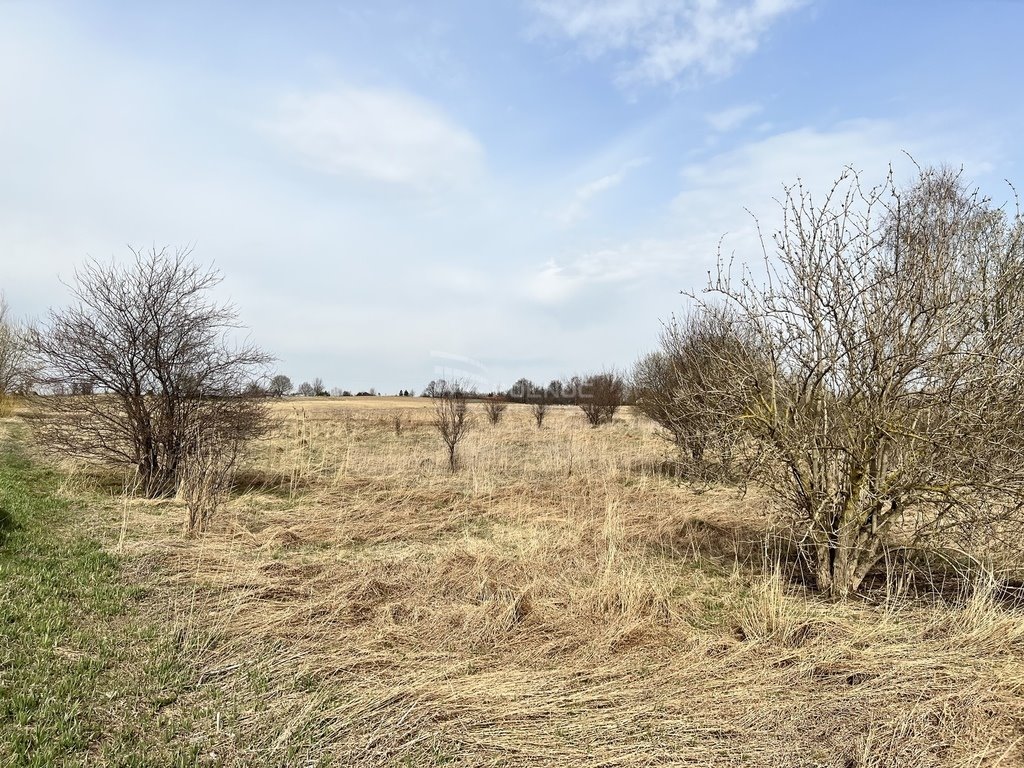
{"points": [[599, 395], [443, 388], [281, 386]]}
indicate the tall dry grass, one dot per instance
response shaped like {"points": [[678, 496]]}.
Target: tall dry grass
{"points": [[559, 601]]}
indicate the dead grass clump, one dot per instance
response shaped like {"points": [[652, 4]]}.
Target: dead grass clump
{"points": [[768, 613]]}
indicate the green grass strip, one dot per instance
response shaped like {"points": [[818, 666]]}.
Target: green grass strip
{"points": [[81, 681]]}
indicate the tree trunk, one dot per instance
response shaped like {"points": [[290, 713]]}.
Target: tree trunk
{"points": [[844, 557]]}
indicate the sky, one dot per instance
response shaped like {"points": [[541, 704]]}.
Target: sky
{"points": [[481, 189]]}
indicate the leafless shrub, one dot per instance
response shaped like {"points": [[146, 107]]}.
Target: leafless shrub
{"points": [[602, 395], [15, 368], [495, 408], [451, 418], [690, 387], [148, 341], [890, 397], [207, 477], [539, 408]]}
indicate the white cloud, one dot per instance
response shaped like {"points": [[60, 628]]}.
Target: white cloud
{"points": [[376, 134], [661, 41], [720, 192], [576, 209], [620, 264], [732, 118], [716, 190]]}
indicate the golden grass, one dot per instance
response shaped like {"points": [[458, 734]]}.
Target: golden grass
{"points": [[559, 601], [11, 405]]}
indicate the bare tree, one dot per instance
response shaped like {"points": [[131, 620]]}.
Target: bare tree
{"points": [[84, 389], [539, 408], [280, 385], [572, 390], [601, 396], [14, 362], [152, 344], [522, 391], [451, 418], [434, 388], [890, 397], [495, 407], [318, 387], [306, 389]]}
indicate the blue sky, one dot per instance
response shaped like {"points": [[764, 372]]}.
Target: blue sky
{"points": [[396, 191]]}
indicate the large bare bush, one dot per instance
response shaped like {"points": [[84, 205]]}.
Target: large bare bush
{"points": [[890, 395], [146, 338]]}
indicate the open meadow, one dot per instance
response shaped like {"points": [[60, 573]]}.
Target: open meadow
{"points": [[703, 345], [560, 600]]}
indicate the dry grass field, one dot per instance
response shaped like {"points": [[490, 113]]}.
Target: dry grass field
{"points": [[561, 600]]}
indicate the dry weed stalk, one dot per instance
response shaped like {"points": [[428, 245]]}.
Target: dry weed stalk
{"points": [[207, 479]]}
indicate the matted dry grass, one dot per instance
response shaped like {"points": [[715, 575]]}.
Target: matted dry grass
{"points": [[559, 601]]}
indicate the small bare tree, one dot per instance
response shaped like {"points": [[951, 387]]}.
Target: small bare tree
{"points": [[539, 408], [495, 408], [890, 396], [151, 345], [601, 396], [452, 419], [15, 375]]}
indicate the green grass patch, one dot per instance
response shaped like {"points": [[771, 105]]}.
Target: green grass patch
{"points": [[82, 681]]}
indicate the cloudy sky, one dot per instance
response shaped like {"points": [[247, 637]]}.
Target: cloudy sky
{"points": [[399, 190]]}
